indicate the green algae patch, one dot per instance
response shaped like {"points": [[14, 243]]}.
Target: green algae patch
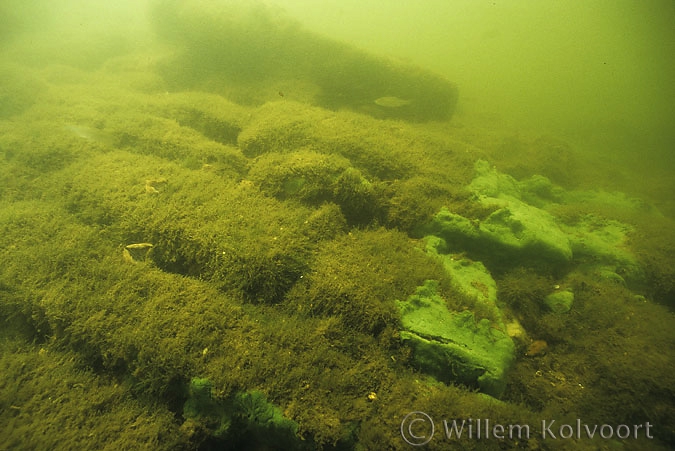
{"points": [[201, 408], [453, 346], [199, 224], [50, 401], [257, 421]]}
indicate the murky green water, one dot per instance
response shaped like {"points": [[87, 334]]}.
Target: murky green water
{"points": [[230, 225]]}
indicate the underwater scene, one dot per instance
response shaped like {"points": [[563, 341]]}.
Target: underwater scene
{"points": [[339, 225]]}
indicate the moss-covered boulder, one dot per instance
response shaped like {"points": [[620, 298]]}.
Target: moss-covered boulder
{"points": [[303, 174], [357, 276]]}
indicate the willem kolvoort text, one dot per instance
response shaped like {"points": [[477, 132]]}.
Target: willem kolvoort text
{"points": [[550, 429]]}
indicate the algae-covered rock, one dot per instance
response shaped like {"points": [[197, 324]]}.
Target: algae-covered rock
{"points": [[454, 346], [539, 191], [370, 145], [454, 228], [601, 247], [560, 301], [522, 230], [223, 239], [488, 182], [516, 231], [356, 197], [357, 276], [468, 277], [303, 174], [515, 227]]}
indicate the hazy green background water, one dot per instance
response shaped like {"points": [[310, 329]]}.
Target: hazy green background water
{"points": [[600, 69], [599, 73]]}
